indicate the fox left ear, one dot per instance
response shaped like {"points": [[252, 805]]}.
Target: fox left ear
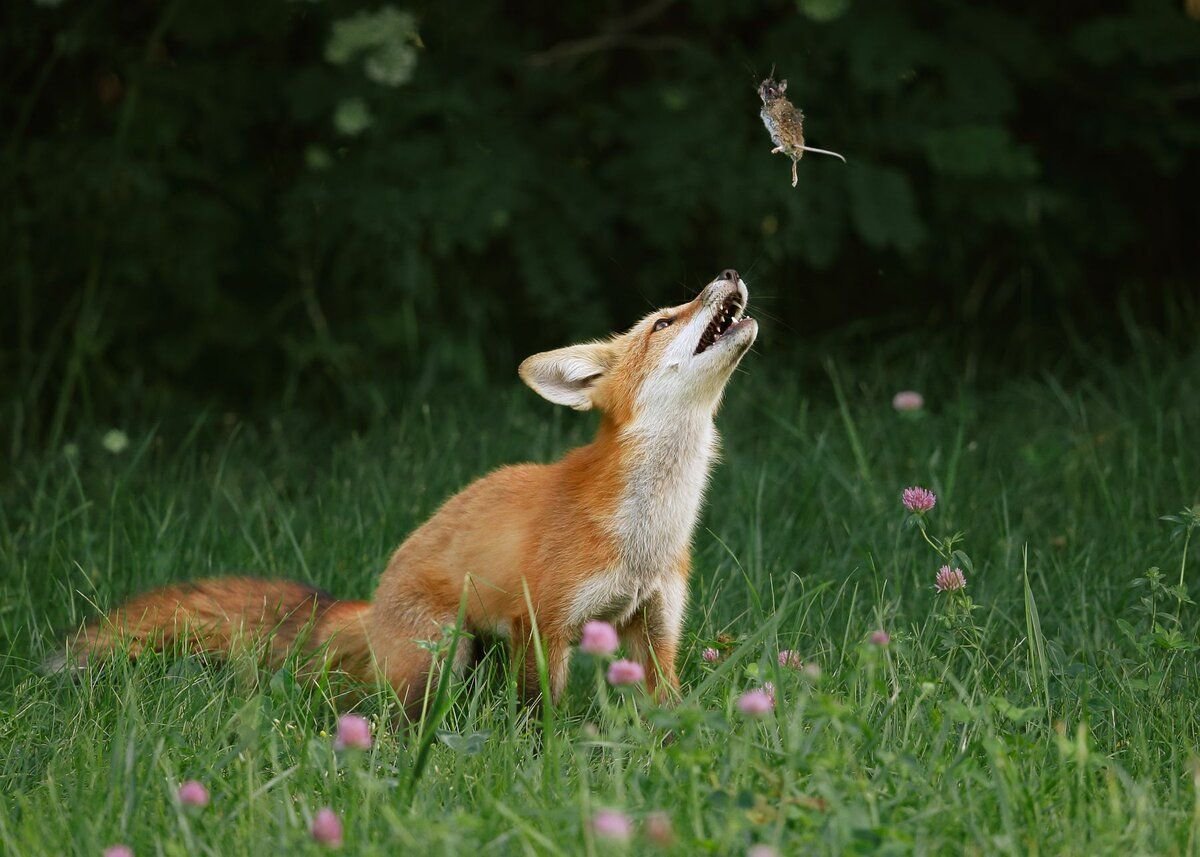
{"points": [[568, 376]]}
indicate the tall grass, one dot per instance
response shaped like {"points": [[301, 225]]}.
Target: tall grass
{"points": [[1063, 720]]}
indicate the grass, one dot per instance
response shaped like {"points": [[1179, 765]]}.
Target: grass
{"points": [[1061, 715]]}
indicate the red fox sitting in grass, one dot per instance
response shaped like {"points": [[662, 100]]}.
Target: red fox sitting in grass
{"points": [[605, 533]]}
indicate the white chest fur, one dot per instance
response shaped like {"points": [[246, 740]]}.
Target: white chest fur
{"points": [[666, 473]]}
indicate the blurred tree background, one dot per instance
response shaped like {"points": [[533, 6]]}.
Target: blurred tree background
{"points": [[276, 202]]}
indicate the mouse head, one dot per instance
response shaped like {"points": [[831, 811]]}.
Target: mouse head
{"points": [[770, 89]]}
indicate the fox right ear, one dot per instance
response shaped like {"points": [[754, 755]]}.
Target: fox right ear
{"points": [[568, 376]]}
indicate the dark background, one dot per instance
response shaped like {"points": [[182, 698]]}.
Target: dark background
{"points": [[276, 204]]}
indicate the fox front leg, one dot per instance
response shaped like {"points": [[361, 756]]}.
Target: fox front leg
{"points": [[795, 178], [652, 639], [557, 653]]}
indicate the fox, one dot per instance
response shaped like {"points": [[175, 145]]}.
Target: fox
{"points": [[605, 533]]}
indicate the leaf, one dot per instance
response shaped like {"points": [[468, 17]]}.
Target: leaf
{"points": [[823, 10], [185, 668], [352, 116], [386, 40], [719, 799], [1038, 663], [883, 208], [979, 151], [1013, 713], [317, 158], [665, 719], [1172, 640], [885, 46], [1129, 632], [961, 713], [465, 744], [283, 683]]}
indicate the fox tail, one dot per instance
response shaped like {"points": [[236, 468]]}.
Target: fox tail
{"points": [[220, 616]]}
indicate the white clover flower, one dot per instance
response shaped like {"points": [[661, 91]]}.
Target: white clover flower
{"points": [[115, 441]]}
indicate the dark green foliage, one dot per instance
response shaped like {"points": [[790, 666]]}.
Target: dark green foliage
{"points": [[231, 198]]}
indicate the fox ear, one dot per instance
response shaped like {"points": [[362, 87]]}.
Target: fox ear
{"points": [[568, 376]]}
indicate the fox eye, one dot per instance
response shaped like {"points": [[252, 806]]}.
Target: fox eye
{"points": [[661, 323]]}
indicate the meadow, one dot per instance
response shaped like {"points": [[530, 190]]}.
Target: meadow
{"points": [[1051, 707]]}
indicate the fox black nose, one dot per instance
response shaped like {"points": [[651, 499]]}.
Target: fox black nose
{"points": [[729, 274]]}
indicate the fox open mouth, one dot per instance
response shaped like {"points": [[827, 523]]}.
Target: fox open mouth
{"points": [[728, 315]]}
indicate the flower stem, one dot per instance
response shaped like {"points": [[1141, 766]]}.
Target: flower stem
{"points": [[933, 543], [1187, 540]]}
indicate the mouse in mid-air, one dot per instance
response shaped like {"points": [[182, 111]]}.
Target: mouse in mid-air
{"points": [[785, 123]]}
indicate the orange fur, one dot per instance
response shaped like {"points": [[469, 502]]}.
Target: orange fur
{"points": [[603, 533], [228, 614]]}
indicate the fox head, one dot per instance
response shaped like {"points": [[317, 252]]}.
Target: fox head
{"points": [[674, 359]]}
